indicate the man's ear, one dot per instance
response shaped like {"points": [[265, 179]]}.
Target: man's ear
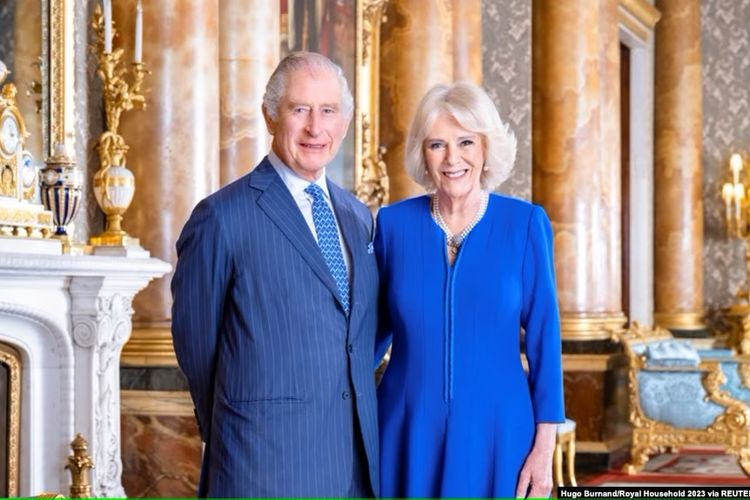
{"points": [[270, 124]]}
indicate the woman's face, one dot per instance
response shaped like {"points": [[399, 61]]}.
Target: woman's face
{"points": [[454, 157]]}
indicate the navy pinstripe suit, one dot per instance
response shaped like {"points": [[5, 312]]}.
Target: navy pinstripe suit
{"points": [[280, 377]]}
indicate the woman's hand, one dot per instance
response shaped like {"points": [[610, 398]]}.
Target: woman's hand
{"points": [[536, 474]]}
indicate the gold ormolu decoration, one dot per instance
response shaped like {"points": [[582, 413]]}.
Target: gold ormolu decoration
{"points": [[114, 184], [371, 177], [729, 429], [79, 464]]}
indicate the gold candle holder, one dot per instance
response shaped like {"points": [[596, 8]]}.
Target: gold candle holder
{"points": [[114, 184]]}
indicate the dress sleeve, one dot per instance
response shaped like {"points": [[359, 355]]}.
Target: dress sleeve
{"points": [[384, 334], [540, 319], [199, 287]]}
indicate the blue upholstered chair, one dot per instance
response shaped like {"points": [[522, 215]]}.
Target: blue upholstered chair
{"points": [[680, 398]]}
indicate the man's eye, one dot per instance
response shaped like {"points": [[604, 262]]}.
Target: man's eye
{"points": [[299, 109], [329, 111]]}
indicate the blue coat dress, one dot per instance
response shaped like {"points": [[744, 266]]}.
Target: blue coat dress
{"points": [[457, 411]]}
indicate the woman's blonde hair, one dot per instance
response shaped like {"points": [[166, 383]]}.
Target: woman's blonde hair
{"points": [[474, 111]]}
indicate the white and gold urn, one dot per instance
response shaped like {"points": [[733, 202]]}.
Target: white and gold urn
{"points": [[114, 187]]}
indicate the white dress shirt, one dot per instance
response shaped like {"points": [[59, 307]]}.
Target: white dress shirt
{"points": [[296, 186]]}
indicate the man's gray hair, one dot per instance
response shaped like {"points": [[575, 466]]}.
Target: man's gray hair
{"points": [[474, 111], [295, 61]]}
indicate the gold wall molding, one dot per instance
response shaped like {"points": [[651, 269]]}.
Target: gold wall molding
{"points": [[591, 326], [12, 359], [149, 347], [638, 16], [370, 174]]}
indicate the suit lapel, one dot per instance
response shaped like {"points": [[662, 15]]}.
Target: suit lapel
{"points": [[352, 233], [280, 207]]}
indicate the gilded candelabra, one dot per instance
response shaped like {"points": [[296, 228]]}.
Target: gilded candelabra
{"points": [[114, 184]]}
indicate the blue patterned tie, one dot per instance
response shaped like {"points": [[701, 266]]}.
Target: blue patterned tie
{"points": [[328, 240]]}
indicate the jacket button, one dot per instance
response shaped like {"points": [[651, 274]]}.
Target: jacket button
{"points": [[350, 348], [345, 395]]}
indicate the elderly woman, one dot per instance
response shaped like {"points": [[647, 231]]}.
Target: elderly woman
{"points": [[463, 271]]}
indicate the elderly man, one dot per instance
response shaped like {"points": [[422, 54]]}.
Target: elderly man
{"points": [[275, 310]]}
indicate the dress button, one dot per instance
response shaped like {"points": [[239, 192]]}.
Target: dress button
{"points": [[350, 348], [345, 395]]}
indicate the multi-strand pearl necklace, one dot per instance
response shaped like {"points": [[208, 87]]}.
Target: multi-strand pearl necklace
{"points": [[454, 240]]}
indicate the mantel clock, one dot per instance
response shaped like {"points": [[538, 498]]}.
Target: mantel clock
{"points": [[21, 213]]}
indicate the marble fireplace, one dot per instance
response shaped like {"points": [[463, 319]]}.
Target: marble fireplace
{"points": [[67, 318]]}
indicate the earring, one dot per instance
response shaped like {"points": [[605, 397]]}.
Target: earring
{"points": [[485, 167]]}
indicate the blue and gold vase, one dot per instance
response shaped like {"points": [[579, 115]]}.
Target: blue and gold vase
{"points": [[61, 192]]}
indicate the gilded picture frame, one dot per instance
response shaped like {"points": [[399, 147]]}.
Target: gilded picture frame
{"points": [[348, 31]]}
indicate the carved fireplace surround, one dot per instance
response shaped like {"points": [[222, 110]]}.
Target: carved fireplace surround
{"points": [[69, 318]]}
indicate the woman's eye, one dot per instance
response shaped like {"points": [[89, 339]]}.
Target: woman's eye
{"points": [[467, 142], [435, 145]]}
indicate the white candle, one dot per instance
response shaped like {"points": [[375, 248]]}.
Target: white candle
{"points": [[107, 26], [735, 165], [739, 198], [138, 51], [727, 193]]}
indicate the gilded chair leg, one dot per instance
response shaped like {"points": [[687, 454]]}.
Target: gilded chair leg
{"points": [[557, 461], [571, 457]]}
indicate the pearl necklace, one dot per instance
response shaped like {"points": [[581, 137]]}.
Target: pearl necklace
{"points": [[454, 240]]}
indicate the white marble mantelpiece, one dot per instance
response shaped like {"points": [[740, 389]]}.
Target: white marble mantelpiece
{"points": [[69, 317]]}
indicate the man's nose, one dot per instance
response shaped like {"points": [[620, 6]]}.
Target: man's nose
{"points": [[313, 123]]}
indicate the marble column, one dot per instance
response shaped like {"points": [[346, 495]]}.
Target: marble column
{"points": [[174, 146], [247, 57], [27, 49], [416, 53], [576, 157], [467, 40], [678, 207]]}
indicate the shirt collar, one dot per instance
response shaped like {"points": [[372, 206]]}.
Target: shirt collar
{"points": [[294, 183]]}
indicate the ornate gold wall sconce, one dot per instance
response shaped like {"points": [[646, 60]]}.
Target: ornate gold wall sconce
{"points": [[734, 194], [114, 184]]}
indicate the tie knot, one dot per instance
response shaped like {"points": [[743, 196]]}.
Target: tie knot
{"points": [[315, 191]]}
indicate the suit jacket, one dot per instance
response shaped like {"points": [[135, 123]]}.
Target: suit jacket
{"points": [[280, 376]]}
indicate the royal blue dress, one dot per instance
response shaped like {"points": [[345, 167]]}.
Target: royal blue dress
{"points": [[457, 412]]}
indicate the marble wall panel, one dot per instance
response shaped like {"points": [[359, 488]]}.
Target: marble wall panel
{"points": [[160, 455], [725, 32]]}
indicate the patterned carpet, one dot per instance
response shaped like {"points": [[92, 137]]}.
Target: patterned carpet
{"points": [[689, 467]]}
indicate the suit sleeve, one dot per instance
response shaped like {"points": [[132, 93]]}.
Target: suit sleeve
{"points": [[199, 287], [384, 334], [540, 319]]}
